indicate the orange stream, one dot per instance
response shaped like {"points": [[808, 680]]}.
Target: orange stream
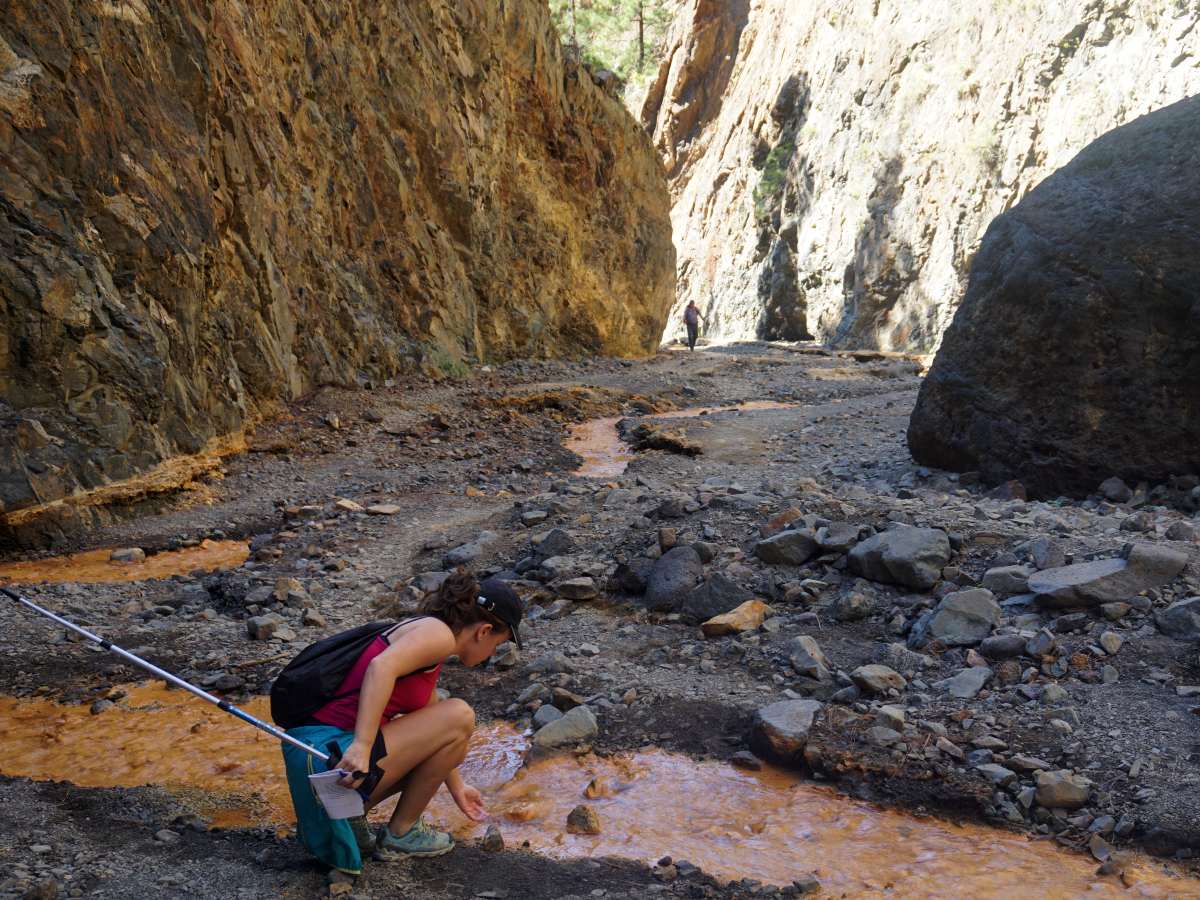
{"points": [[767, 825], [94, 566], [605, 455]]}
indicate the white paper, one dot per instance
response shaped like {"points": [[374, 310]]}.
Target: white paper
{"points": [[339, 802]]}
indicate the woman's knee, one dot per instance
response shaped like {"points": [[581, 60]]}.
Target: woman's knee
{"points": [[461, 715]]}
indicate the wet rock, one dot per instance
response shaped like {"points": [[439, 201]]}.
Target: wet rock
{"points": [[100, 706], [747, 617], [1062, 790], [574, 727], [1115, 490], [744, 759], [807, 659], [878, 679], [964, 618], [493, 840], [583, 819], [1107, 580], [465, 554], [1181, 619], [806, 885], [967, 683], [717, 595], [1005, 581], [674, 576], [127, 555], [791, 548], [913, 557], [583, 588], [780, 730]]}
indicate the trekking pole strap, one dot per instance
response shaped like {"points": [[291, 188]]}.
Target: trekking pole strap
{"points": [[220, 703]]}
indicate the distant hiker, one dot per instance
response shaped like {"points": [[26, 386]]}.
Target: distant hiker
{"points": [[691, 318], [386, 714]]}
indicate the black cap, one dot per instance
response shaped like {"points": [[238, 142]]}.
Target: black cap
{"points": [[502, 602]]}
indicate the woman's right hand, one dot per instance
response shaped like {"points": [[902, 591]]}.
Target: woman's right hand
{"points": [[356, 758]]}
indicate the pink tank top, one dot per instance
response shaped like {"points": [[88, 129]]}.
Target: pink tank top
{"points": [[410, 693]]}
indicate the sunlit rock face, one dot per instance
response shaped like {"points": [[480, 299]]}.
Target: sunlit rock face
{"points": [[834, 164], [210, 206]]}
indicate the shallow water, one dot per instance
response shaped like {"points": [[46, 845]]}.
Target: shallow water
{"points": [[605, 455], [94, 566], [768, 825]]}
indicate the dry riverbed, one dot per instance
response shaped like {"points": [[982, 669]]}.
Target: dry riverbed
{"points": [[1072, 726]]}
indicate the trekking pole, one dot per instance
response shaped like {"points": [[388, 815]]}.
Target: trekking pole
{"points": [[223, 705]]}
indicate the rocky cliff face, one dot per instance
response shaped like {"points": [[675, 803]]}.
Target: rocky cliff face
{"points": [[1075, 355], [834, 163], [208, 206]]}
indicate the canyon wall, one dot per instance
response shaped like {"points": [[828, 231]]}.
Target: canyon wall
{"points": [[835, 163], [211, 206]]}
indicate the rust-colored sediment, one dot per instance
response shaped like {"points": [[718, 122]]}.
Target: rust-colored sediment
{"points": [[605, 455], [95, 567], [767, 825], [170, 475]]}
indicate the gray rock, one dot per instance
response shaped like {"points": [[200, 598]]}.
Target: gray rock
{"points": [[807, 659], [551, 663], [837, 537], [262, 628], [852, 607], [780, 730], [967, 683], [127, 555], [1046, 554], [583, 588], [1181, 619], [575, 726], [716, 596], [1116, 490], [913, 557], [555, 542], [878, 679], [428, 582], [1006, 581], [1062, 790], [674, 576], [631, 577], [996, 774], [465, 554], [1002, 646], [1061, 402], [882, 736], [791, 548], [1181, 531], [1107, 580], [545, 714], [964, 618]]}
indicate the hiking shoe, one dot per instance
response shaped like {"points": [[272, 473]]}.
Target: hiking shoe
{"points": [[362, 834], [420, 840]]}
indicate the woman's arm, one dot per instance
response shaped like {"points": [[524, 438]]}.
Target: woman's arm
{"points": [[422, 646], [467, 798]]}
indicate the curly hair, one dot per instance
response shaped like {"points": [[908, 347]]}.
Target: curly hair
{"points": [[456, 602]]}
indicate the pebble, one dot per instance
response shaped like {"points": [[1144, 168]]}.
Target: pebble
{"points": [[583, 819], [493, 840]]}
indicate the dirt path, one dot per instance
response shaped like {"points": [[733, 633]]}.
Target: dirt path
{"points": [[452, 461]]}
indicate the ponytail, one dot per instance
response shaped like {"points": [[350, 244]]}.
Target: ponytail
{"points": [[456, 602]]}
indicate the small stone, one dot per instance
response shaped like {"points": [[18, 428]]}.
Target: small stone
{"points": [[996, 774], [878, 679], [262, 628], [807, 884], [791, 548], [534, 517], [127, 555], [545, 714], [950, 748], [744, 759], [1115, 611], [1111, 642], [807, 658], [166, 836], [890, 716], [574, 727], [1062, 790], [583, 819], [313, 619], [101, 706], [383, 509], [493, 840], [967, 683], [1115, 490], [347, 506], [1005, 581], [881, 736], [1181, 531], [780, 730], [747, 617], [583, 588]]}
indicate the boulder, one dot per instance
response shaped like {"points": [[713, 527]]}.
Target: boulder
{"points": [[780, 730], [575, 726], [807, 658], [913, 557], [747, 617], [877, 679], [465, 554], [1107, 580], [1181, 619], [1090, 281], [1062, 790], [717, 595], [964, 618], [789, 548], [674, 576]]}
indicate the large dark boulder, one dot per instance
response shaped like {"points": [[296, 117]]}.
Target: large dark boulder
{"points": [[1075, 354]]}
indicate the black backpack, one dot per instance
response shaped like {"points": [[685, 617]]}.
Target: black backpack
{"points": [[310, 680]]}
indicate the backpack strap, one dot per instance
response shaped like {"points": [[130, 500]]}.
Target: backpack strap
{"points": [[383, 634]]}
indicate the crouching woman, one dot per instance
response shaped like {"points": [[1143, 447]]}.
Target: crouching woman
{"points": [[386, 713]]}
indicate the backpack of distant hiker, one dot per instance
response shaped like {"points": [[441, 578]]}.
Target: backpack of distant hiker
{"points": [[311, 680]]}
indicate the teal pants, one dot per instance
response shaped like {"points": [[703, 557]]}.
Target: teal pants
{"points": [[329, 840]]}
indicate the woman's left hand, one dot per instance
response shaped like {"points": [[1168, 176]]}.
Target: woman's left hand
{"points": [[470, 801]]}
